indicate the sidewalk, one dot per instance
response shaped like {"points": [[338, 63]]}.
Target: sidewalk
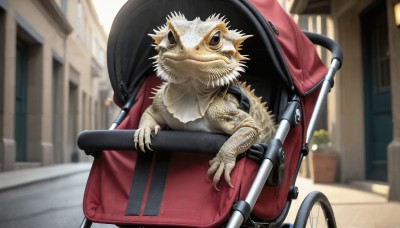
{"points": [[352, 207], [12, 179]]}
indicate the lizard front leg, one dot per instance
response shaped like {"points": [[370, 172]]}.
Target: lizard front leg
{"points": [[225, 160], [243, 130], [148, 124]]}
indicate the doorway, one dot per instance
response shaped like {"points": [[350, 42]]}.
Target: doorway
{"points": [[73, 122], [20, 124], [377, 92], [57, 115]]}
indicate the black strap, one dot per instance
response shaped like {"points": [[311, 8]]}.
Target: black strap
{"points": [[244, 103], [157, 185], [139, 182], [138, 186]]}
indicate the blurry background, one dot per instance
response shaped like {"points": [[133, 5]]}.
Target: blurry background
{"points": [[53, 78], [54, 84]]}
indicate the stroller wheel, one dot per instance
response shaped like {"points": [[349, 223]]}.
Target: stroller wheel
{"points": [[315, 211]]}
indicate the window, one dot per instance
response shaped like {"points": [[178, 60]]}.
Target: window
{"points": [[97, 52], [64, 7], [380, 56], [78, 18]]}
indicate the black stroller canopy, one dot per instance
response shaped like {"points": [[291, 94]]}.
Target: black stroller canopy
{"points": [[129, 46]]}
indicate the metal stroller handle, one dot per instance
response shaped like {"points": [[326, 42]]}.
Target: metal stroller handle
{"points": [[196, 142], [327, 43]]}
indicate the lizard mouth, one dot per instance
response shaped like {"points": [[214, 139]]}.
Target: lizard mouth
{"points": [[197, 58], [196, 62], [211, 70], [198, 67]]}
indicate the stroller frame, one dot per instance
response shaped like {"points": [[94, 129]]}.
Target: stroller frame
{"points": [[271, 158], [243, 208]]}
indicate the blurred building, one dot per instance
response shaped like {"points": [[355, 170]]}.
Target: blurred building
{"points": [[53, 80], [364, 108]]}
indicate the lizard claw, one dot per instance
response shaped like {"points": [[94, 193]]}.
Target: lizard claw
{"points": [[221, 164], [142, 137], [156, 129]]}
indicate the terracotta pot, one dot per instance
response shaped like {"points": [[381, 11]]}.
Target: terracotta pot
{"points": [[323, 166]]}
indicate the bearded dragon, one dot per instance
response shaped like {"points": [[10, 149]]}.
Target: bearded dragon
{"points": [[198, 60]]}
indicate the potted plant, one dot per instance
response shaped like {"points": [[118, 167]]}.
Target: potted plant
{"points": [[323, 159]]}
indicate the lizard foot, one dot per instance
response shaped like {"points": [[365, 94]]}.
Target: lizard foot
{"points": [[222, 163], [143, 136]]}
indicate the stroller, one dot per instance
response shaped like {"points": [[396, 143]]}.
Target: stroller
{"points": [[169, 186]]}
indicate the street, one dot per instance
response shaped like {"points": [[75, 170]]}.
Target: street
{"points": [[53, 203]]}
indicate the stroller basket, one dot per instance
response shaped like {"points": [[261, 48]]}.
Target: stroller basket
{"points": [[168, 187]]}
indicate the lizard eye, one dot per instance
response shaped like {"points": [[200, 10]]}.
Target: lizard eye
{"points": [[171, 38], [215, 39]]}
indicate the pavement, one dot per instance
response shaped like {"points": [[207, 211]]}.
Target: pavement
{"points": [[352, 206], [17, 178]]}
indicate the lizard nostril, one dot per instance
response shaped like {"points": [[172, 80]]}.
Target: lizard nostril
{"points": [[197, 48]]}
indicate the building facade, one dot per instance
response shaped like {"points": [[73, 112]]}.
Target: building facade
{"points": [[53, 80], [364, 108]]}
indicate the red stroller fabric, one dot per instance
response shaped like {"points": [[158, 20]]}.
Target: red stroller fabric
{"points": [[303, 62], [188, 194], [189, 198]]}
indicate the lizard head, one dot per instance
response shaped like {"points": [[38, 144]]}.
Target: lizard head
{"points": [[206, 51]]}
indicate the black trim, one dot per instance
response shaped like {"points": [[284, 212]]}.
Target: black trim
{"points": [[305, 150], [276, 154], [312, 89], [293, 192], [293, 112], [256, 152], [139, 181], [157, 185], [244, 103], [244, 208], [272, 152]]}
